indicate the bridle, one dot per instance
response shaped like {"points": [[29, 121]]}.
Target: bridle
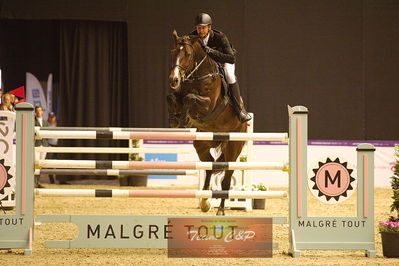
{"points": [[189, 77]]}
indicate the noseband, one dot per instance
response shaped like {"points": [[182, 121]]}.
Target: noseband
{"points": [[196, 67]]}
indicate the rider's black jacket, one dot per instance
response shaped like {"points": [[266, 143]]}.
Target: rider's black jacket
{"points": [[221, 50]]}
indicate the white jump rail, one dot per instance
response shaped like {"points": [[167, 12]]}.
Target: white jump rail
{"points": [[160, 193], [112, 150], [113, 172], [211, 136], [136, 129], [95, 164]]}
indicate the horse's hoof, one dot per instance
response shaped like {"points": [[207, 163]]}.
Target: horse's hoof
{"points": [[220, 212], [205, 205]]}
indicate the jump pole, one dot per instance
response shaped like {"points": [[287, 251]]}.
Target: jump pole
{"points": [[112, 172], [114, 129], [96, 164], [161, 193], [109, 150], [216, 136]]}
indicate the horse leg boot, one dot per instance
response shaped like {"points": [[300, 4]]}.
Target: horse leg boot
{"points": [[238, 104]]}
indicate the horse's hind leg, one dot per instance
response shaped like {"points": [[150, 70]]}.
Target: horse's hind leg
{"points": [[225, 186], [203, 150], [208, 175], [204, 155], [230, 154]]}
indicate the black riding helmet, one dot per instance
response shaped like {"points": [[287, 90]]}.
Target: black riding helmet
{"points": [[203, 19]]}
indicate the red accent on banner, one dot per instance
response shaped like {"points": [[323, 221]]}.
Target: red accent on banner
{"points": [[19, 92], [17, 101]]}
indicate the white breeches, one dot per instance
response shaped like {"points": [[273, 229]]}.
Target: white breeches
{"points": [[229, 70]]}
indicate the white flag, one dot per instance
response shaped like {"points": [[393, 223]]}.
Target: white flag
{"points": [[50, 93], [35, 94]]}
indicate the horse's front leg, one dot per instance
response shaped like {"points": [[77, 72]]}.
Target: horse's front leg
{"points": [[225, 186], [174, 110], [205, 205]]}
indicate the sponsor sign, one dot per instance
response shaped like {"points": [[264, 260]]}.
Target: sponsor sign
{"points": [[220, 237]]}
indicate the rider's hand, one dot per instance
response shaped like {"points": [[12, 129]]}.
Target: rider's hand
{"points": [[208, 50]]}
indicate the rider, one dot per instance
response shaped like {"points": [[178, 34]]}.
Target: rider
{"points": [[218, 47]]}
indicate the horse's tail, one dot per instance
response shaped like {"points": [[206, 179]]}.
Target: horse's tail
{"points": [[217, 152]]}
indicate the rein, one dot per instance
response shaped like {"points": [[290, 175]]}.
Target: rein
{"points": [[196, 68]]}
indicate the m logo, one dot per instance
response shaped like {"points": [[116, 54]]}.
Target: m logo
{"points": [[332, 181]]}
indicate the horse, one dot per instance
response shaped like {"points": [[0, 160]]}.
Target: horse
{"points": [[199, 100]]}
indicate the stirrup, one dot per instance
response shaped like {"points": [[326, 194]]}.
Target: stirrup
{"points": [[244, 116]]}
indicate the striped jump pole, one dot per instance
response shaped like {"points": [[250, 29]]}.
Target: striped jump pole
{"points": [[113, 129], [112, 172], [161, 193], [214, 136], [95, 164], [112, 150]]}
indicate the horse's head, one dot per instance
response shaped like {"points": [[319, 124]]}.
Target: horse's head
{"points": [[182, 58]]}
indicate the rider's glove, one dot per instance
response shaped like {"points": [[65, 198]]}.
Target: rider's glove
{"points": [[208, 50]]}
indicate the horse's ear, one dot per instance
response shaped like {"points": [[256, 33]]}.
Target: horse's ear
{"points": [[175, 36]]}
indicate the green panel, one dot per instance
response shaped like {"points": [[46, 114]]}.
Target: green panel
{"points": [[316, 233], [122, 231]]}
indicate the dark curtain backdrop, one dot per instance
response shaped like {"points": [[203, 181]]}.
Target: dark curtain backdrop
{"points": [[339, 58], [381, 70], [93, 78], [28, 46]]}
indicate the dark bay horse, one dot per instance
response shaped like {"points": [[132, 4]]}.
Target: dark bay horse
{"points": [[199, 101]]}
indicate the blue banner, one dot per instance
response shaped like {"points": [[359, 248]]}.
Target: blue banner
{"points": [[161, 157]]}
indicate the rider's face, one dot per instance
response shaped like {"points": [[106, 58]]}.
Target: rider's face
{"points": [[203, 30]]}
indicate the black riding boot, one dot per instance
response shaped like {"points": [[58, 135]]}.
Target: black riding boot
{"points": [[238, 104]]}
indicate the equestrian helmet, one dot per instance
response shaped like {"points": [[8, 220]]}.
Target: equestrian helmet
{"points": [[203, 19]]}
